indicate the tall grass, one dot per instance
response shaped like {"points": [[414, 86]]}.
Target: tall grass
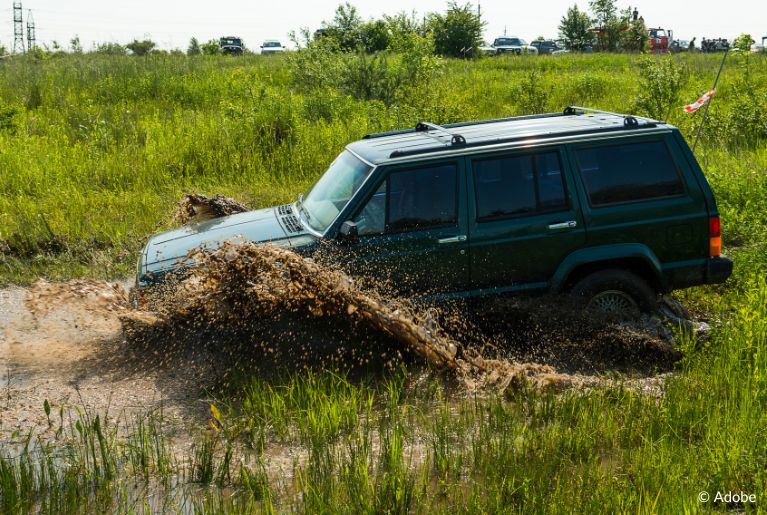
{"points": [[95, 150]]}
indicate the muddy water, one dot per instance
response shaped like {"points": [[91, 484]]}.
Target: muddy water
{"points": [[249, 309], [63, 343]]}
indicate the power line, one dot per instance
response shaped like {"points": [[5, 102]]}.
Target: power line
{"points": [[18, 28]]}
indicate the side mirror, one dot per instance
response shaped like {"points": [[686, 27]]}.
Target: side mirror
{"points": [[348, 231]]}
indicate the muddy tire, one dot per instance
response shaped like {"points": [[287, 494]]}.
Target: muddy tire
{"points": [[615, 293]]}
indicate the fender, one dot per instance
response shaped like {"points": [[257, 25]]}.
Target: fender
{"points": [[601, 253]]}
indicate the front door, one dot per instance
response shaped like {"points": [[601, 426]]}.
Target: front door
{"points": [[413, 229]]}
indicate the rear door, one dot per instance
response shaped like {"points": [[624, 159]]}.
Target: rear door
{"points": [[643, 191], [413, 229], [524, 218]]}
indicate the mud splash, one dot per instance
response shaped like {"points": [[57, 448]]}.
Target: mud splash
{"points": [[245, 304], [233, 285]]}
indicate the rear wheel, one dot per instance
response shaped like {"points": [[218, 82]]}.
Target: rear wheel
{"points": [[615, 293]]}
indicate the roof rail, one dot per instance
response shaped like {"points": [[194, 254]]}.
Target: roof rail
{"points": [[455, 139], [375, 135], [629, 121]]}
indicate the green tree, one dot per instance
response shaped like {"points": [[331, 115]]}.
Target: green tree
{"points": [[604, 11], [345, 27], [194, 47], [575, 29], [634, 38], [403, 24], [375, 36], [110, 48], [743, 43], [457, 31], [608, 25], [211, 47], [75, 45], [141, 48]]}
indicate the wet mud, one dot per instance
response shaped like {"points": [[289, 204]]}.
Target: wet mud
{"points": [[247, 309]]}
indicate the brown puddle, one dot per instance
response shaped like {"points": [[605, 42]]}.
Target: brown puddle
{"points": [[260, 309]]}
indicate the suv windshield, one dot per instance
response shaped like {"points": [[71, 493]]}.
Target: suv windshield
{"points": [[334, 189], [272, 44], [509, 42]]}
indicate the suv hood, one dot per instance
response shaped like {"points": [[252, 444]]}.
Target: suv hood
{"points": [[166, 251]]}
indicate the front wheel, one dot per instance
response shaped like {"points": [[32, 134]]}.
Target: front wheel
{"points": [[615, 293]]}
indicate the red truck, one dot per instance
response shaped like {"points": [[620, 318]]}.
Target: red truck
{"points": [[660, 39]]}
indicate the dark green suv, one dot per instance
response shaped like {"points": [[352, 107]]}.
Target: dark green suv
{"points": [[611, 208]]}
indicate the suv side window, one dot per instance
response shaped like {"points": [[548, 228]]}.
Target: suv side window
{"points": [[628, 172], [412, 199], [518, 185]]}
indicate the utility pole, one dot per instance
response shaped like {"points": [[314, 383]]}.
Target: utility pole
{"points": [[31, 41], [18, 28]]}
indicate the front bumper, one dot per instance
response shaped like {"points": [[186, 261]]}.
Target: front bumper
{"points": [[718, 269]]}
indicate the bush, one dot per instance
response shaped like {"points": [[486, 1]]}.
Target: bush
{"points": [[660, 84], [401, 77], [456, 31]]}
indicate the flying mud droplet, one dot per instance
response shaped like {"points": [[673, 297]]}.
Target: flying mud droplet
{"points": [[236, 282], [196, 207]]}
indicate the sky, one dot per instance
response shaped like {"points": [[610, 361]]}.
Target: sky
{"points": [[172, 23]]}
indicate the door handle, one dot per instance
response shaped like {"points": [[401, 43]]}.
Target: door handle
{"points": [[571, 224], [453, 239]]}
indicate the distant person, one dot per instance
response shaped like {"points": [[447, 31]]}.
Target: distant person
{"points": [[635, 14], [691, 47]]}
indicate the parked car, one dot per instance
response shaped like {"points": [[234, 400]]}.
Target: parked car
{"points": [[546, 46], [611, 209], [679, 45], [512, 45], [231, 45], [486, 49], [271, 47]]}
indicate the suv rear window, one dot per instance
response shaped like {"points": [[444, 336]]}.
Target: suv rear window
{"points": [[628, 172], [518, 185]]}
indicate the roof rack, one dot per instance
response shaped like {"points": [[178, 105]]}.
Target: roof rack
{"points": [[376, 135], [455, 139], [629, 122]]}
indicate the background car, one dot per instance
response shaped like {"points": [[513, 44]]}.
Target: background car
{"points": [[546, 46], [486, 49], [272, 46], [512, 45]]}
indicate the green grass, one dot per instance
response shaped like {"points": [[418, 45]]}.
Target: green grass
{"points": [[94, 153]]}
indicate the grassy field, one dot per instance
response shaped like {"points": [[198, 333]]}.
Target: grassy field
{"points": [[96, 151]]}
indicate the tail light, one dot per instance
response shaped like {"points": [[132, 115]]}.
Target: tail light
{"points": [[714, 236]]}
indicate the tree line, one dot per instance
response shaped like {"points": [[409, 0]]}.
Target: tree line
{"points": [[457, 32]]}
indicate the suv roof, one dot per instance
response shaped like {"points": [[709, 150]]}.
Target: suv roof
{"points": [[428, 138]]}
